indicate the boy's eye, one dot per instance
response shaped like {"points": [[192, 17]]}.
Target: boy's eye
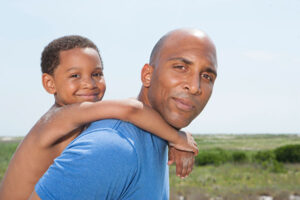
{"points": [[75, 76]]}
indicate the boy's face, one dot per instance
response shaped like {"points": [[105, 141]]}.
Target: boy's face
{"points": [[78, 77]]}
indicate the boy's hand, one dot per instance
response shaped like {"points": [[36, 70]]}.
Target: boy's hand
{"points": [[184, 161], [186, 143]]}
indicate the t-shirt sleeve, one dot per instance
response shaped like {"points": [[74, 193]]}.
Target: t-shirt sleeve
{"points": [[99, 165]]}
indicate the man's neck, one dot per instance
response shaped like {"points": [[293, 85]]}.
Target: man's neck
{"points": [[143, 97]]}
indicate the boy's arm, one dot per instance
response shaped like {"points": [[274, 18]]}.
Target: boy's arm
{"points": [[34, 196], [61, 120]]}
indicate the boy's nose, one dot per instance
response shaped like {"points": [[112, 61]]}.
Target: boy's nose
{"points": [[88, 83]]}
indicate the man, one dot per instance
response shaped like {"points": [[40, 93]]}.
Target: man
{"points": [[114, 159]]}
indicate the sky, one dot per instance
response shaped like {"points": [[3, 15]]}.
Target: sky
{"points": [[257, 41]]}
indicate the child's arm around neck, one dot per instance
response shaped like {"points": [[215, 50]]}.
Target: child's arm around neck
{"points": [[61, 120]]}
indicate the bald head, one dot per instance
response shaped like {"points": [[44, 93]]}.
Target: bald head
{"points": [[178, 36], [179, 79]]}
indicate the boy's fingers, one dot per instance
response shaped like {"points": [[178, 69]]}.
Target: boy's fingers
{"points": [[195, 150], [184, 158], [191, 165], [170, 162], [184, 169], [184, 161], [179, 169], [171, 155], [178, 165], [196, 153], [195, 143], [188, 169]]}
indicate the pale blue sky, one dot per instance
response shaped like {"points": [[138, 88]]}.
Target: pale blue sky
{"points": [[258, 45]]}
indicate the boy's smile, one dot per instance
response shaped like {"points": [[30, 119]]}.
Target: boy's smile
{"points": [[78, 77]]}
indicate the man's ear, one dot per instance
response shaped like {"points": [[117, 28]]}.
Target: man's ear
{"points": [[48, 83], [146, 75]]}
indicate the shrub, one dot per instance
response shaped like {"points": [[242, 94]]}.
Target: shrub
{"points": [[273, 166], [288, 153], [267, 161], [263, 156], [213, 156], [239, 156]]}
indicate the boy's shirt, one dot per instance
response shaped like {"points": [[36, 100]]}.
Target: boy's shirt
{"points": [[112, 159]]}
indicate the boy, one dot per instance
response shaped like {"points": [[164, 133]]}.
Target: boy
{"points": [[72, 72]]}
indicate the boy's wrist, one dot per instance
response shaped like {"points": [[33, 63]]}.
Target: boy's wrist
{"points": [[179, 139], [175, 139]]}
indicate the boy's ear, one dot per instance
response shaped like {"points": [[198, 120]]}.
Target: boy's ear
{"points": [[146, 75], [48, 83]]}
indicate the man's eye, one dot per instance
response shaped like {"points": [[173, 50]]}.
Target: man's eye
{"points": [[181, 67], [206, 76], [97, 74], [75, 76]]}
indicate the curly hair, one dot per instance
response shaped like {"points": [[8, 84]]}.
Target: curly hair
{"points": [[50, 54]]}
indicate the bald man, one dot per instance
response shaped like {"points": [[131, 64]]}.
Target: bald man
{"points": [[114, 159]]}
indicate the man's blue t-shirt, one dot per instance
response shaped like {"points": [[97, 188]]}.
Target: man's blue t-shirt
{"points": [[112, 159]]}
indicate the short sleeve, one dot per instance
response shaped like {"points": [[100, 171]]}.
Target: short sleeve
{"points": [[99, 165]]}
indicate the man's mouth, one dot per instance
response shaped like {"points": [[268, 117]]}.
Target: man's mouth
{"points": [[184, 104]]}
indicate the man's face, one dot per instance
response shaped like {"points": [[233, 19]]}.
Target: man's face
{"points": [[78, 77], [182, 80]]}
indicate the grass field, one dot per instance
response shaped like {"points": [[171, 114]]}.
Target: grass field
{"points": [[246, 180], [7, 148], [243, 180], [246, 142]]}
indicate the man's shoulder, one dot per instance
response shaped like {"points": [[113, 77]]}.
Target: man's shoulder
{"points": [[105, 123], [103, 135], [101, 156], [116, 128], [114, 125]]}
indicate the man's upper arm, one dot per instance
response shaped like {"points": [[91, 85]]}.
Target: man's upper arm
{"points": [[98, 165]]}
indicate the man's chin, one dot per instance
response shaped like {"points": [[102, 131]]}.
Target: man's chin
{"points": [[178, 123]]}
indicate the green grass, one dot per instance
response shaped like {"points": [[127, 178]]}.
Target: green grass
{"points": [[245, 142], [229, 178], [6, 151], [245, 180]]}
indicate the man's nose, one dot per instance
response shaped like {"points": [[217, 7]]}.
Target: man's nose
{"points": [[193, 85]]}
